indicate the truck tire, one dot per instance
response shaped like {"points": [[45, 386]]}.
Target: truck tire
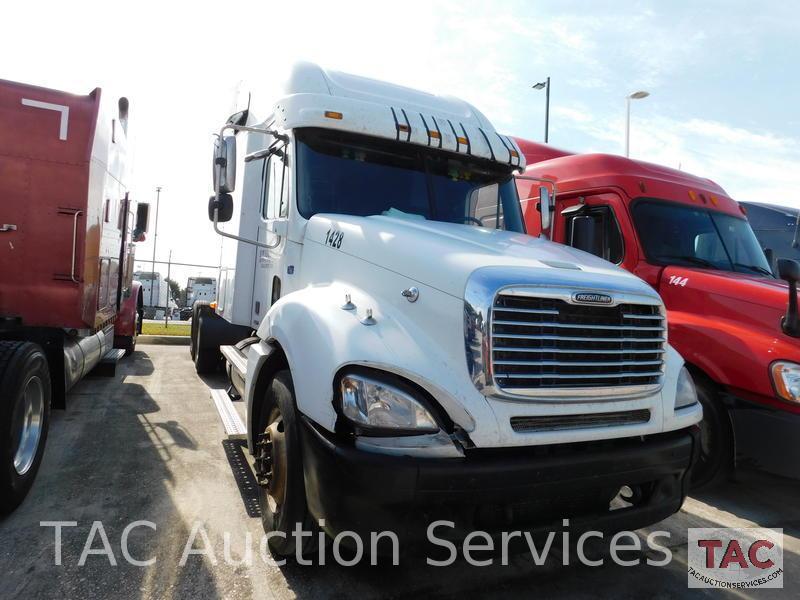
{"points": [[25, 394], [207, 359], [197, 308], [128, 343], [283, 496], [715, 461]]}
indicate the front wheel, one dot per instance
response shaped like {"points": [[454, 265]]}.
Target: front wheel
{"points": [[279, 468], [25, 394], [716, 440]]}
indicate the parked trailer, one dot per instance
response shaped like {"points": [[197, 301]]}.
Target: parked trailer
{"points": [[777, 229], [727, 312], [155, 293], [406, 352], [67, 298], [201, 289]]}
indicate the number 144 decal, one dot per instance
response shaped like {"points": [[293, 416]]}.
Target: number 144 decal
{"points": [[678, 280]]}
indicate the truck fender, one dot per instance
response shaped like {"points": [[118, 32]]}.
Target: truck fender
{"points": [[125, 324], [311, 333]]}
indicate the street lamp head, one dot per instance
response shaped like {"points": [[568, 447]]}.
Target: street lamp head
{"points": [[540, 86], [639, 95]]}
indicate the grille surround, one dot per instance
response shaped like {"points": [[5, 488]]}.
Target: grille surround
{"points": [[479, 315]]}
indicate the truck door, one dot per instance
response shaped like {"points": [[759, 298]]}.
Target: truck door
{"points": [[609, 233], [269, 261]]}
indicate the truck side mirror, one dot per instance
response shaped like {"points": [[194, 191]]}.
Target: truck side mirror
{"points": [[584, 234], [142, 221], [544, 207], [790, 271], [224, 208], [224, 164]]}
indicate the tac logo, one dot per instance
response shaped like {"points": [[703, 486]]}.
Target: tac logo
{"points": [[735, 558]]}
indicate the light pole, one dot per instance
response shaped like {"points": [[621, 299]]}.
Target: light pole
{"points": [[634, 96], [546, 86], [155, 240]]}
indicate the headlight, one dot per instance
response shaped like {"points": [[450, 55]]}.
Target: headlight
{"points": [[786, 379], [686, 394], [377, 405]]}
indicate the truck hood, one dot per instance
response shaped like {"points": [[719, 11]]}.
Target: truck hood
{"points": [[443, 255], [739, 296]]}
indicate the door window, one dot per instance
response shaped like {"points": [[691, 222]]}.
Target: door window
{"points": [[608, 238], [274, 182]]}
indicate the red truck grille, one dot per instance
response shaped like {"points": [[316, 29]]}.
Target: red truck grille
{"points": [[548, 343]]}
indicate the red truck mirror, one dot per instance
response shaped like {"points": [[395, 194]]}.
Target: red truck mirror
{"points": [[142, 221], [789, 270]]}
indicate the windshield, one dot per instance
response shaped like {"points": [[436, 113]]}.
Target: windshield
{"points": [[355, 175], [672, 233]]}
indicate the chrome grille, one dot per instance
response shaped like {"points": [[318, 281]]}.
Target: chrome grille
{"points": [[549, 343]]}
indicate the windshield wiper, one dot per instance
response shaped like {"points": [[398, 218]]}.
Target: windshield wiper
{"points": [[755, 268], [693, 260]]}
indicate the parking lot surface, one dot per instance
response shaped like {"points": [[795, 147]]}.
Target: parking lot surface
{"points": [[147, 445]]}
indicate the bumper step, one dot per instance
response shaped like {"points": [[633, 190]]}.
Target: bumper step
{"points": [[231, 421]]}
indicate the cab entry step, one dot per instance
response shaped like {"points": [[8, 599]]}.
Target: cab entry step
{"points": [[231, 421], [107, 367]]}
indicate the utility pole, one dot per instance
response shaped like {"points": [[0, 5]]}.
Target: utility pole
{"points": [[155, 240], [169, 291], [546, 86], [628, 98]]}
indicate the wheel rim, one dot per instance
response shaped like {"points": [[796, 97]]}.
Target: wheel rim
{"points": [[29, 425], [276, 487]]}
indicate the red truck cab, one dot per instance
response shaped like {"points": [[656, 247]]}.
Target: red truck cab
{"points": [[688, 239], [67, 233]]}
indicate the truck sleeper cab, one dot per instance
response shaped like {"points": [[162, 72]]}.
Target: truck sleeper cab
{"points": [[67, 298], [416, 355], [691, 242]]}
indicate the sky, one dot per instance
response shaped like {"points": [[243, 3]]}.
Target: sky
{"points": [[724, 95]]}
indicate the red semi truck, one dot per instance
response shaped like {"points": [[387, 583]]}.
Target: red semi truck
{"points": [[728, 312], [67, 233]]}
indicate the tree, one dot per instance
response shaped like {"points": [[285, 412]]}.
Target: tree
{"points": [[176, 292]]}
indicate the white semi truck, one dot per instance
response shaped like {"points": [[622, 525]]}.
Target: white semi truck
{"points": [[201, 289], [406, 352]]}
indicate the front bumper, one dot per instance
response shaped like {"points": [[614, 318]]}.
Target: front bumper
{"points": [[766, 438], [494, 490]]}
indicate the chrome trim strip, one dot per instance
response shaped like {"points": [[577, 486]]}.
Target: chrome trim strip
{"points": [[562, 363], [575, 326], [576, 375]]}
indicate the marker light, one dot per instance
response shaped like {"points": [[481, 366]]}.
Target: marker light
{"points": [[332, 114], [213, 305], [514, 154], [463, 140], [402, 127], [786, 379], [693, 195]]}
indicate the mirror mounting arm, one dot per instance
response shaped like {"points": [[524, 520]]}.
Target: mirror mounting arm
{"points": [[217, 230], [544, 180]]}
